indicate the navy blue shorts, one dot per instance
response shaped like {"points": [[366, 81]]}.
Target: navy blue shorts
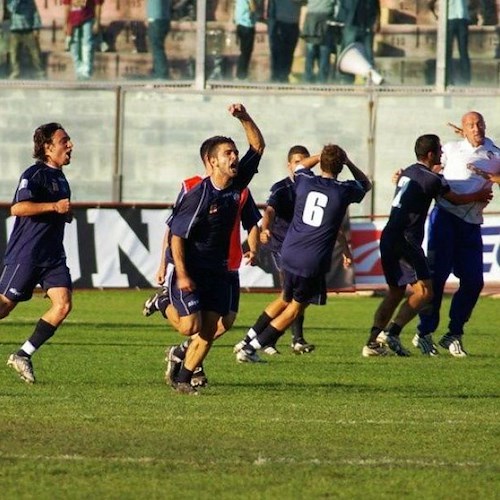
{"points": [[18, 281], [403, 263], [310, 290], [234, 284], [212, 293]]}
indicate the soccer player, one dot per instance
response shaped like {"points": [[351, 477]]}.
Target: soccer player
{"points": [[275, 222], [455, 243], [403, 259], [201, 228], [320, 205], [35, 252]]}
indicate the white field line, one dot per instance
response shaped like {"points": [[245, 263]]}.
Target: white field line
{"points": [[260, 461]]}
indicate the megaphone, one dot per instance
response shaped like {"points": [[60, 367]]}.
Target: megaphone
{"points": [[353, 60]]}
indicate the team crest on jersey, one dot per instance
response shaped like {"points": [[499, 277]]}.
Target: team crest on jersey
{"points": [[213, 209]]}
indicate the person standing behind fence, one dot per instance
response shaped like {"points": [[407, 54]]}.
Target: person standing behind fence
{"points": [[25, 24], [35, 253], [316, 35], [159, 13], [82, 24], [245, 17], [457, 27], [361, 20], [283, 29]]}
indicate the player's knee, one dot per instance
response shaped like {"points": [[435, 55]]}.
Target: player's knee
{"points": [[63, 309]]}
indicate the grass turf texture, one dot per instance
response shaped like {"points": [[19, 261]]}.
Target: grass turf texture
{"points": [[101, 423]]}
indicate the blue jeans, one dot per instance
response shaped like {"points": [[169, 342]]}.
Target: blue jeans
{"points": [[458, 29], [320, 53], [454, 246], [81, 47], [157, 32]]}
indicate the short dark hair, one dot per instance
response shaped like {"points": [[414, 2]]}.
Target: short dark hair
{"points": [[333, 158], [427, 143], [215, 142], [43, 135], [298, 150]]}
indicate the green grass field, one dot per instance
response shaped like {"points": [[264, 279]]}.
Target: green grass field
{"points": [[101, 423]]}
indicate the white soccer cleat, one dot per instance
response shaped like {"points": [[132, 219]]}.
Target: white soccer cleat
{"points": [[23, 367], [247, 355], [373, 350]]}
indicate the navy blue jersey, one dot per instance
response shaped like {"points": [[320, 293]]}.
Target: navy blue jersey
{"points": [[320, 207], [282, 200], [38, 239], [417, 187], [205, 217], [250, 213]]}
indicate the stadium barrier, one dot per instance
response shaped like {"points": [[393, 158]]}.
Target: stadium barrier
{"points": [[119, 246]]}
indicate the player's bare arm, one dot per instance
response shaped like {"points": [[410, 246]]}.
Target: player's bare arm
{"points": [[267, 224], [358, 174], [310, 161], [252, 131], [29, 208], [253, 246], [483, 196], [184, 282]]}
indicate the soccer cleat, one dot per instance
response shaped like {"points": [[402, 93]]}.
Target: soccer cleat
{"points": [[425, 344], [247, 355], [446, 340], [456, 348], [302, 347], [151, 305], [185, 388], [393, 343], [270, 350], [372, 350], [23, 367], [199, 379], [173, 366], [239, 346]]}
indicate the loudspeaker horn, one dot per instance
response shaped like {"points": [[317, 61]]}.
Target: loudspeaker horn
{"points": [[353, 60]]}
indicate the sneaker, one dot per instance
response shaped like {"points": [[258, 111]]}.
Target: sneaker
{"points": [[151, 305], [173, 366], [247, 355], [425, 344], [456, 348], [393, 343], [185, 388], [23, 367], [302, 347], [446, 340], [374, 350], [239, 346], [199, 379], [270, 350]]}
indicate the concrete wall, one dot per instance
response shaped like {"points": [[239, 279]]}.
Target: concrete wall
{"points": [[161, 130]]}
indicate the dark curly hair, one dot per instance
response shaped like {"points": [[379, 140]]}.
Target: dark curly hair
{"points": [[42, 136]]}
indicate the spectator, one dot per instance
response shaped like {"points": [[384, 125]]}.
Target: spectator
{"points": [[159, 13], [318, 46], [283, 28], [245, 17], [25, 24], [361, 20], [457, 27], [82, 21]]}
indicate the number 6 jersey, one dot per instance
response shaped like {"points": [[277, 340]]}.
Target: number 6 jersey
{"points": [[320, 206]]}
